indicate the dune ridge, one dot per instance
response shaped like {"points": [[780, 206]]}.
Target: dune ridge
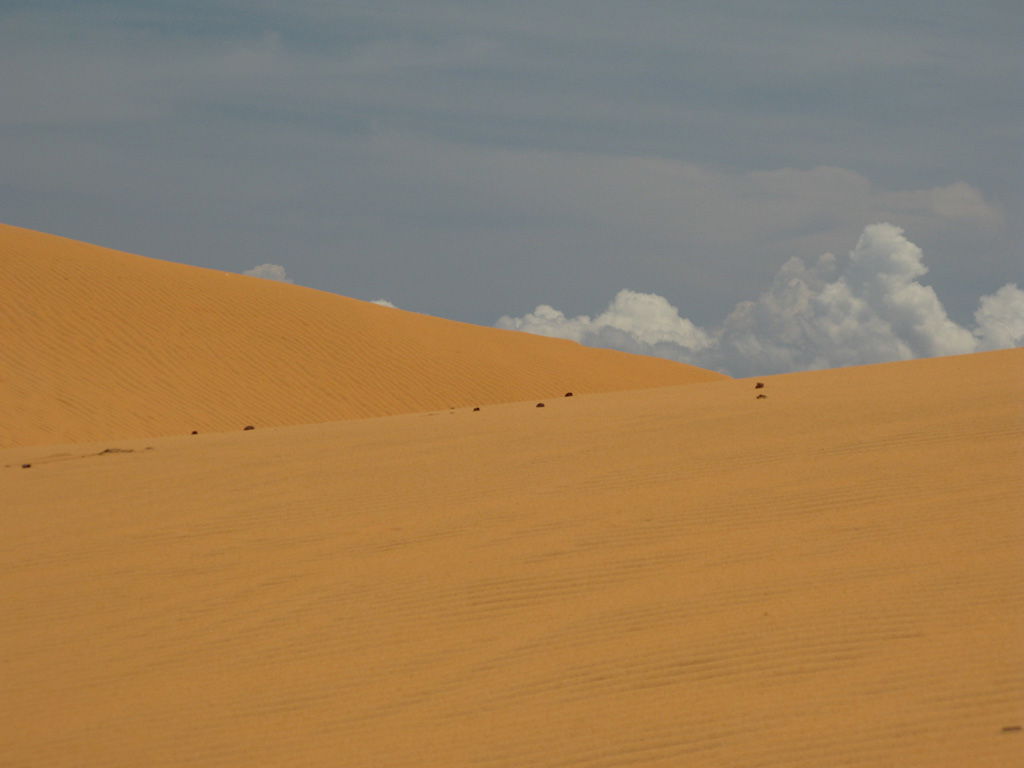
{"points": [[97, 343], [682, 576]]}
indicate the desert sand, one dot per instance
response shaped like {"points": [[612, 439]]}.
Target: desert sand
{"points": [[98, 343], [683, 575]]}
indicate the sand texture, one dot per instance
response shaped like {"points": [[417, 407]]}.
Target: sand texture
{"points": [[831, 575], [98, 344]]}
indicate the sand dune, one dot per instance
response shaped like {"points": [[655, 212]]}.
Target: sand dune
{"points": [[683, 576], [98, 344]]}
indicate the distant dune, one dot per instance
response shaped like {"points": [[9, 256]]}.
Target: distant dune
{"points": [[824, 570], [96, 343]]}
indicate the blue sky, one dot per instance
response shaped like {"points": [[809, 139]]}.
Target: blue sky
{"points": [[476, 159]]}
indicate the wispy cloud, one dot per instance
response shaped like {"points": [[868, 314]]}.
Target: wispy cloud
{"points": [[269, 272]]}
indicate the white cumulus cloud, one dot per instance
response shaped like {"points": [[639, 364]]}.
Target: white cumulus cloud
{"points": [[644, 323], [1000, 318], [868, 308], [269, 272]]}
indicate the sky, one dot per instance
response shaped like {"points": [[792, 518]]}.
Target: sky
{"points": [[700, 180]]}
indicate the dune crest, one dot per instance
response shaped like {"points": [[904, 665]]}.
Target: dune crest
{"points": [[97, 343]]}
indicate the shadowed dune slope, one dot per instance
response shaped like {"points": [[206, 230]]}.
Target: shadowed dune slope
{"points": [[96, 343], [683, 576]]}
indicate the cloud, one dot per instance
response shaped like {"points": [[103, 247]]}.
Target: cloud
{"points": [[384, 303], [869, 309], [459, 154], [644, 323], [269, 272], [1000, 318], [587, 221]]}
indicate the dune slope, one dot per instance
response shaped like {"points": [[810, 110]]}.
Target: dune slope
{"points": [[96, 343], [683, 576]]}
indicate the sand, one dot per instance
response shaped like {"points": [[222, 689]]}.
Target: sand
{"points": [[681, 576], [98, 344]]}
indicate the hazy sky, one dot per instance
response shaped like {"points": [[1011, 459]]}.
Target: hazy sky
{"points": [[474, 159]]}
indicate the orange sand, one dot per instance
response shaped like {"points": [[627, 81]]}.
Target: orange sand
{"points": [[98, 344], [674, 576], [683, 576]]}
